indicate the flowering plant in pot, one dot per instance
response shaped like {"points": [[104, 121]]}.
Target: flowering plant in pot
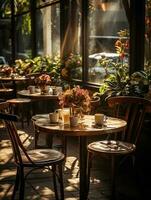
{"points": [[6, 70], [77, 99], [42, 81]]}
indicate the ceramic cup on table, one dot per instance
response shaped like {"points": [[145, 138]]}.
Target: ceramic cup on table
{"points": [[99, 119], [54, 117], [31, 89], [47, 88], [37, 90]]}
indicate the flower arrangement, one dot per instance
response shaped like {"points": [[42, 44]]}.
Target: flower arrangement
{"points": [[7, 70], [42, 81], [44, 78], [76, 98], [40, 64]]}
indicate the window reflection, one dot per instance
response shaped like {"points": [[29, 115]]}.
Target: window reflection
{"points": [[48, 29], [23, 36], [106, 19], [21, 6]]}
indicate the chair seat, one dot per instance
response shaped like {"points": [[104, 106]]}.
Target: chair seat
{"points": [[19, 101], [43, 157], [111, 147]]}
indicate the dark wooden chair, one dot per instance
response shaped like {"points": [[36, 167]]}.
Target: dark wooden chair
{"points": [[131, 109], [4, 107], [32, 159]]}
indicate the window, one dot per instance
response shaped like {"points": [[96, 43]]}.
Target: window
{"points": [[148, 31], [23, 36], [48, 29], [105, 20]]}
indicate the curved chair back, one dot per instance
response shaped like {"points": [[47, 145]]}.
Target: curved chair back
{"points": [[4, 107], [132, 109], [17, 145]]}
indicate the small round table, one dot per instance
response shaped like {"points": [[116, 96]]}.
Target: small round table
{"points": [[37, 95], [85, 128], [14, 80]]}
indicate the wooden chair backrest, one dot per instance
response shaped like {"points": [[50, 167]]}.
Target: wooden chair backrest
{"points": [[4, 107], [131, 109], [17, 145]]}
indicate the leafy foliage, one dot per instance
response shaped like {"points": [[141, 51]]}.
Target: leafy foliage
{"points": [[72, 66], [39, 64], [117, 80]]}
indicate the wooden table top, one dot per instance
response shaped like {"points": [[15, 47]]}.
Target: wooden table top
{"points": [[86, 126], [6, 90], [17, 78], [36, 95]]}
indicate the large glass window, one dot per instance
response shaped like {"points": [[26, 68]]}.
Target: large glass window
{"points": [[23, 36], [21, 6], [105, 20], [5, 31], [148, 31], [48, 29]]}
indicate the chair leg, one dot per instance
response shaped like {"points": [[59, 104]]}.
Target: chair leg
{"points": [[64, 145], [36, 138], [49, 140], [54, 181], [89, 160], [61, 182], [113, 167], [22, 184], [16, 184]]}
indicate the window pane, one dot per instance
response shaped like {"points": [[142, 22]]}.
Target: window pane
{"points": [[106, 19], [148, 31], [75, 58], [48, 29], [5, 9], [21, 6], [23, 36], [5, 40]]}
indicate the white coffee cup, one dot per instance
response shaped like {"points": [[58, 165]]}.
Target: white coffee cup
{"points": [[31, 89], [47, 89], [99, 118], [54, 117]]}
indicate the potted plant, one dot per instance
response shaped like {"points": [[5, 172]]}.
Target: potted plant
{"points": [[42, 81], [77, 99], [41, 64]]}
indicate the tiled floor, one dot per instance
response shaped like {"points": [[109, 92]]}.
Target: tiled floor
{"points": [[100, 184]]}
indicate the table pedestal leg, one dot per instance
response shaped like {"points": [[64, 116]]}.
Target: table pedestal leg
{"points": [[83, 168]]}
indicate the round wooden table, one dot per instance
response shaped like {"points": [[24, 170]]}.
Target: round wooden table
{"points": [[85, 128], [14, 80], [37, 95]]}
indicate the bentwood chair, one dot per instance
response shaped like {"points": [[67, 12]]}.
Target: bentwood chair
{"points": [[32, 159], [4, 107], [131, 109]]}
